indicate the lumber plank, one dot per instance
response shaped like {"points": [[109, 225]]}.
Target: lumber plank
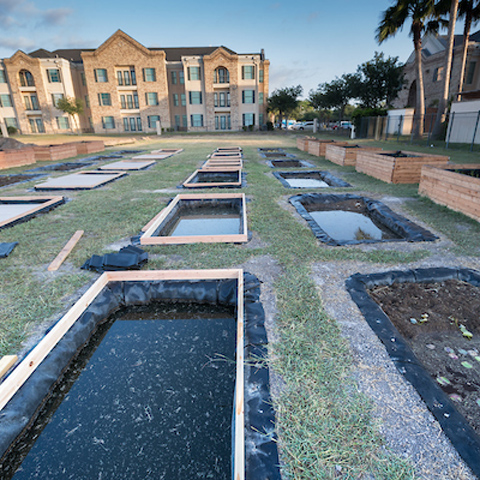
{"points": [[6, 363], [65, 251]]}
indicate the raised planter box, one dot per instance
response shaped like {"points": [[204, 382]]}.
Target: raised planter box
{"points": [[46, 153], [397, 167], [345, 155], [302, 143], [455, 190], [85, 148], [16, 158], [319, 147]]}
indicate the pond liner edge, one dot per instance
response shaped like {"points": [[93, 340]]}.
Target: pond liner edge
{"points": [[328, 177], [406, 229], [261, 453], [456, 428]]}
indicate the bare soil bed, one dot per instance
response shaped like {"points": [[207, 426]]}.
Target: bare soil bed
{"points": [[429, 316]]}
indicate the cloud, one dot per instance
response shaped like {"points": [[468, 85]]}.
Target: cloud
{"points": [[55, 16], [17, 43], [21, 13]]}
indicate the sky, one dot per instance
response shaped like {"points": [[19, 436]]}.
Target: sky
{"points": [[307, 43]]}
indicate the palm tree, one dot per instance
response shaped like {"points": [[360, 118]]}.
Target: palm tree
{"points": [[421, 12], [452, 5], [470, 10]]}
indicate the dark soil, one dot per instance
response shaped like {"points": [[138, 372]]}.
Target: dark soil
{"points": [[469, 172], [12, 144], [398, 154], [274, 154], [429, 315], [286, 163], [11, 179]]}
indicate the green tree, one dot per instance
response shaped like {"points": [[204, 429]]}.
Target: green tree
{"points": [[452, 5], [423, 16], [380, 81], [73, 107], [283, 101], [469, 10], [336, 94]]}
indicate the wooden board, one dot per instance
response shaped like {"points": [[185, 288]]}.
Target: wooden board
{"points": [[6, 363], [237, 183], [16, 158], [148, 237], [60, 258]]}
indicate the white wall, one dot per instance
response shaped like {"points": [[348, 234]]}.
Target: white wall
{"points": [[401, 117], [461, 126]]}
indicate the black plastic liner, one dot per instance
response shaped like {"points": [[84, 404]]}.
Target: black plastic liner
{"points": [[327, 177], [275, 153], [128, 152], [457, 429], [58, 166], [7, 248], [128, 258], [98, 158], [216, 176], [23, 178], [405, 229], [287, 163], [261, 452], [25, 218]]}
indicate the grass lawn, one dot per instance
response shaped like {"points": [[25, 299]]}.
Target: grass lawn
{"points": [[324, 422]]}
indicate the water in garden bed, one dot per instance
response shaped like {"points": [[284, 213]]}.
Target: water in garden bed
{"points": [[192, 225], [216, 177], [306, 183], [430, 317], [151, 396], [343, 225]]}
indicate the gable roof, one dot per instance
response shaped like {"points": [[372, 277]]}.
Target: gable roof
{"points": [[175, 54], [72, 54]]}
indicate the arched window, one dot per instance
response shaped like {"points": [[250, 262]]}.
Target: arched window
{"points": [[26, 79], [221, 75]]}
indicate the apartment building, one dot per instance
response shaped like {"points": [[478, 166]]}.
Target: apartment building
{"points": [[126, 87]]}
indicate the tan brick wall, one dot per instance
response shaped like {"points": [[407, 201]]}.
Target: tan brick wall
{"points": [[120, 50]]}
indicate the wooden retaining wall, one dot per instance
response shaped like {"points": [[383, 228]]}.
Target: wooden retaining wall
{"points": [[16, 158], [319, 147], [46, 153], [302, 143], [341, 155], [84, 148], [397, 169], [454, 190]]}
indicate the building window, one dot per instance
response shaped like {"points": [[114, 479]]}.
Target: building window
{"points": [[149, 75], [196, 120], [260, 76], [126, 124], [260, 98], [87, 101], [63, 123], [175, 99], [248, 72], [6, 101], [248, 119], [3, 78], [36, 125], [90, 122], [53, 75], [221, 75], [260, 119], [11, 122], [470, 73], [222, 122], [215, 99], [108, 123], [151, 98], [129, 101], [193, 73], [181, 77], [177, 120], [438, 74], [104, 99], [183, 100], [152, 121], [195, 98], [26, 78], [248, 96], [126, 77], [139, 124], [101, 75], [84, 81], [31, 102], [174, 77], [184, 121], [56, 97]]}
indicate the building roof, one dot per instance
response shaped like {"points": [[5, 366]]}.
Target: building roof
{"points": [[174, 54]]}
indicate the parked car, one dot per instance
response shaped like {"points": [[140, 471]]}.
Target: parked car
{"points": [[303, 126], [344, 124]]}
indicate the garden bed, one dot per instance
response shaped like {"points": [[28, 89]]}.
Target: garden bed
{"points": [[428, 321], [84, 148], [397, 167], [350, 219], [49, 153], [214, 179], [318, 147], [15, 210], [16, 158], [457, 187], [293, 163], [80, 181], [207, 218], [114, 350], [6, 180], [346, 155], [302, 143], [309, 179]]}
